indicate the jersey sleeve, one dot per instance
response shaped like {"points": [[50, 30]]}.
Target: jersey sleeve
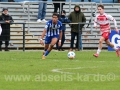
{"points": [[46, 26], [95, 21], [112, 19]]}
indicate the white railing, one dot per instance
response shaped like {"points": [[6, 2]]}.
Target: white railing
{"points": [[29, 3]]}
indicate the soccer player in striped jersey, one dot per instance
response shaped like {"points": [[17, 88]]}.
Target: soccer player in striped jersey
{"points": [[103, 20], [53, 32]]}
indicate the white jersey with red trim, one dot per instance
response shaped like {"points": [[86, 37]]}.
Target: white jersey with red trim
{"points": [[104, 22]]}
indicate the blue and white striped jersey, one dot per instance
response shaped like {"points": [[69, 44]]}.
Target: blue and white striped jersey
{"points": [[53, 29]]}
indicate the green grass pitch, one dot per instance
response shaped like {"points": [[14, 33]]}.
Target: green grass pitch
{"points": [[27, 71]]}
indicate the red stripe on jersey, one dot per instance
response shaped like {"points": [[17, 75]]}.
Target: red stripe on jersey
{"points": [[103, 21]]}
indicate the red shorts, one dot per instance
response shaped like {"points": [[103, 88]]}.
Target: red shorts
{"points": [[106, 35]]}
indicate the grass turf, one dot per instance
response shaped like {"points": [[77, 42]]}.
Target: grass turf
{"points": [[26, 71]]}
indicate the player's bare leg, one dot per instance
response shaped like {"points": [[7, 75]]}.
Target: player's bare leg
{"points": [[99, 47], [53, 42], [118, 52], [45, 48], [113, 46], [109, 43]]}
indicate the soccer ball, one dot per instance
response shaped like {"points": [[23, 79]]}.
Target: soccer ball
{"points": [[71, 55]]}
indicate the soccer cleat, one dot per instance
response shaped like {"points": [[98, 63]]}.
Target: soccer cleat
{"points": [[43, 57], [95, 55], [117, 52]]}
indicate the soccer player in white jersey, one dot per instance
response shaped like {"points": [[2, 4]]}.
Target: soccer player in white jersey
{"points": [[103, 20], [53, 31]]}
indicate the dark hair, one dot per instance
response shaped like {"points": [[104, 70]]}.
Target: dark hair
{"points": [[5, 9], [55, 14], [101, 6], [63, 11]]}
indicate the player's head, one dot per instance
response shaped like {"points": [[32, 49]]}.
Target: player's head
{"points": [[100, 9], [5, 11], [55, 17]]}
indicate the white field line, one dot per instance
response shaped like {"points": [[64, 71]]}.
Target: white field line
{"points": [[62, 72]]}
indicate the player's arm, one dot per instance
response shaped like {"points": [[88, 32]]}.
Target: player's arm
{"points": [[115, 23], [60, 35], [42, 36], [95, 22], [60, 38]]}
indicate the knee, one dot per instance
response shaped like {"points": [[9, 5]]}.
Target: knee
{"points": [[100, 41], [51, 45], [108, 43]]}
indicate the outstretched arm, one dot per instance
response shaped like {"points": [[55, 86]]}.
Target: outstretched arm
{"points": [[41, 39], [115, 23]]}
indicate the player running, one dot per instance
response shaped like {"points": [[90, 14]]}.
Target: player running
{"points": [[103, 20], [53, 31]]}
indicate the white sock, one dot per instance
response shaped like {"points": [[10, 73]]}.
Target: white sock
{"points": [[115, 48], [98, 51]]}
